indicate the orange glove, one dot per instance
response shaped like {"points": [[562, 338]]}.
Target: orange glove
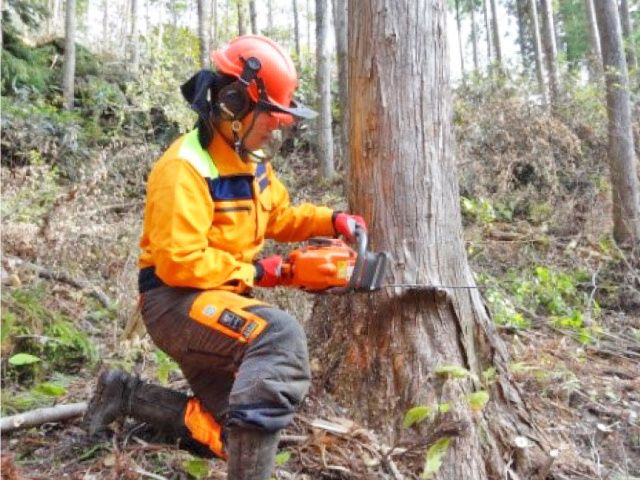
{"points": [[345, 224], [268, 271]]}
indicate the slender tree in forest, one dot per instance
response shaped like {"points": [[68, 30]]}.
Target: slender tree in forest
{"points": [[496, 35], [537, 49], [242, 28], [203, 32], [389, 351], [269, 16], [550, 50], [461, 50], [134, 42], [296, 30], [213, 31], [474, 35], [69, 69], [323, 85], [595, 54], [253, 16], [340, 26], [487, 29], [105, 26], [627, 34], [622, 158], [522, 36]]}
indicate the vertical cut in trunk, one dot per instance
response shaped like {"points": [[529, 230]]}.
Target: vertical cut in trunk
{"points": [[622, 157], [381, 352], [340, 26]]}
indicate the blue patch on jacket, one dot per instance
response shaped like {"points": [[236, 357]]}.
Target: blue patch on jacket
{"points": [[231, 188]]}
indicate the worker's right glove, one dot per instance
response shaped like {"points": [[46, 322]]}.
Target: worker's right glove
{"points": [[268, 271], [345, 224]]}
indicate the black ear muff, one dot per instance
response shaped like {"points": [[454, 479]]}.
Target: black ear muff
{"points": [[234, 101]]}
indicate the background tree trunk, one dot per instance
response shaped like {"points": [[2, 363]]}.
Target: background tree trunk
{"points": [[537, 48], [296, 30], [522, 36], [496, 35], [460, 38], [105, 26], [214, 25], [323, 84], [474, 36], [595, 55], [380, 352], [269, 17], [622, 158], [69, 69], [253, 16], [340, 14], [203, 32], [550, 50], [485, 11], [134, 42], [242, 29], [627, 35]]}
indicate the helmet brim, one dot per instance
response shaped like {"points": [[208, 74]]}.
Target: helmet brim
{"points": [[296, 110]]}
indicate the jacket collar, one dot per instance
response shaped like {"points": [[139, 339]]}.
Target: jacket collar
{"points": [[227, 160]]}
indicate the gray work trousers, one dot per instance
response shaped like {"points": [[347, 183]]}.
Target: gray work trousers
{"points": [[247, 362]]}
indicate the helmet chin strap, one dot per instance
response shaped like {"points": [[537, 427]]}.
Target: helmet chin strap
{"points": [[238, 140]]}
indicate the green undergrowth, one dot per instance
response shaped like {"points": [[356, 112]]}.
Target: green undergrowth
{"points": [[42, 348]]}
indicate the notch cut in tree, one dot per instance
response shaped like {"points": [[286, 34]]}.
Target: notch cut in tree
{"points": [[381, 353]]}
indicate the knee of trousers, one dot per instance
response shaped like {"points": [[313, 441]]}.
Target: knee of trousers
{"points": [[274, 375]]}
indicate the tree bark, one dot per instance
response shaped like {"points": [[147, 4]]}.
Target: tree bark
{"points": [[537, 46], [39, 416], [460, 38], [474, 36], [627, 34], [203, 32], [134, 42], [621, 153], [69, 69], [522, 34], [213, 41], [485, 11], [340, 14], [296, 30], [595, 55], [380, 352], [550, 50], [253, 17], [323, 84], [496, 35]]}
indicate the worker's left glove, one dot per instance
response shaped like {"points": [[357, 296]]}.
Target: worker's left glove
{"points": [[345, 224], [268, 271]]}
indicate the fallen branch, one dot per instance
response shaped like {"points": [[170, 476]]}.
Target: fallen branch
{"points": [[64, 278], [39, 416]]}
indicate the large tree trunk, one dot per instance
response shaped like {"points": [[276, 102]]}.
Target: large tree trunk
{"points": [[460, 38], [323, 84], [134, 42], [550, 50], [487, 30], [380, 352], [537, 47], [69, 69], [203, 32], [622, 158], [340, 26], [496, 35], [595, 55], [296, 30], [627, 34]]}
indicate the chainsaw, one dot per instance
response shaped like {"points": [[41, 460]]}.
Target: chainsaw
{"points": [[330, 265]]}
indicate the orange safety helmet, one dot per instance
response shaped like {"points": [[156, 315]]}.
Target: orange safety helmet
{"points": [[275, 72]]}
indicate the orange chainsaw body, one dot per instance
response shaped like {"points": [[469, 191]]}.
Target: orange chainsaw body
{"points": [[323, 263]]}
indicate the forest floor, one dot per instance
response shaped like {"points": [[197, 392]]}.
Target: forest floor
{"points": [[565, 300]]}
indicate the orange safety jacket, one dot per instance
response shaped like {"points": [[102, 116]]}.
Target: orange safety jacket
{"points": [[208, 213]]}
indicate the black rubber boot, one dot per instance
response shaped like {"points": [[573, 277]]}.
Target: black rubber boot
{"points": [[119, 394], [251, 452]]}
